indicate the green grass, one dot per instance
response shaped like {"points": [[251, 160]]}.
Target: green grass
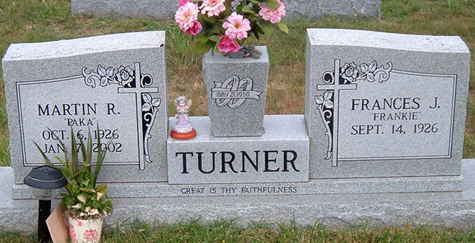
{"points": [[222, 231], [46, 20], [227, 231]]}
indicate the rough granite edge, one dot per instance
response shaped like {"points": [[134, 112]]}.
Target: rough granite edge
{"points": [[86, 45]]}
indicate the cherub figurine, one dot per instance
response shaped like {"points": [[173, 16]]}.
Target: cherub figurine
{"points": [[183, 128]]}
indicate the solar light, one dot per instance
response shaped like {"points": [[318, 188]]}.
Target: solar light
{"points": [[45, 183]]}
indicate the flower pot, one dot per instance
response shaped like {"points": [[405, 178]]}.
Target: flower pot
{"points": [[237, 90], [81, 230]]}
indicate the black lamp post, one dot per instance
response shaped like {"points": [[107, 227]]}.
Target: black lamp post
{"points": [[45, 182]]}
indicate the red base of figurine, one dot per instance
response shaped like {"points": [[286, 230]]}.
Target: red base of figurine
{"points": [[183, 136]]}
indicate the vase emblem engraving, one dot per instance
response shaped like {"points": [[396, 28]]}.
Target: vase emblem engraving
{"points": [[233, 92]]}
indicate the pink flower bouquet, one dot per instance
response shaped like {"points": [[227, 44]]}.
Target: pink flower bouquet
{"points": [[225, 24]]}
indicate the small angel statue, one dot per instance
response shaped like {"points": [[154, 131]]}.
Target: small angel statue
{"points": [[183, 129]]}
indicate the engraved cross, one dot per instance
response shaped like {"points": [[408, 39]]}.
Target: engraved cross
{"points": [[138, 90], [336, 87]]}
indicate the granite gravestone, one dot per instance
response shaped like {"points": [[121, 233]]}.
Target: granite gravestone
{"points": [[386, 105], [116, 82], [329, 165], [165, 9]]}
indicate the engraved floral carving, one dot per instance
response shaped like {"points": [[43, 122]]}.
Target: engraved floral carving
{"points": [[325, 106], [350, 72], [325, 100], [107, 75], [130, 81], [150, 103], [124, 76]]}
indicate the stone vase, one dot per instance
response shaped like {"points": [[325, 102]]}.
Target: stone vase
{"points": [[237, 90], [81, 230]]}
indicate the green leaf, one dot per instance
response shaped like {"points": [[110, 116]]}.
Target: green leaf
{"points": [[73, 186], [211, 20], [48, 162], [88, 190], [248, 9], [257, 28], [82, 148], [271, 3], [83, 179], [255, 33], [60, 160], [69, 201], [214, 38], [88, 153], [100, 158], [102, 188], [204, 38], [109, 206], [217, 29], [239, 9], [283, 27], [267, 27], [227, 11], [74, 153], [69, 187], [99, 206], [203, 48], [66, 172]]}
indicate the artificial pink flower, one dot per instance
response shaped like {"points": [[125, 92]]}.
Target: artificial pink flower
{"points": [[237, 26], [91, 235], [195, 29], [273, 15], [183, 2], [187, 15], [228, 44], [212, 7]]}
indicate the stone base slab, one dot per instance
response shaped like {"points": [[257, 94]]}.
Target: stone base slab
{"points": [[171, 204]]}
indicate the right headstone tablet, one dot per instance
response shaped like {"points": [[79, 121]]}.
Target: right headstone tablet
{"points": [[385, 105]]}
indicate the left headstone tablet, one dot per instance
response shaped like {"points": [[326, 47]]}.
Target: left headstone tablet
{"points": [[116, 82]]}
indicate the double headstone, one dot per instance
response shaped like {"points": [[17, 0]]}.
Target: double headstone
{"points": [[384, 113]]}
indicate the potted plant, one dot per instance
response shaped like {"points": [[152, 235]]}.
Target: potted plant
{"points": [[86, 204]]}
